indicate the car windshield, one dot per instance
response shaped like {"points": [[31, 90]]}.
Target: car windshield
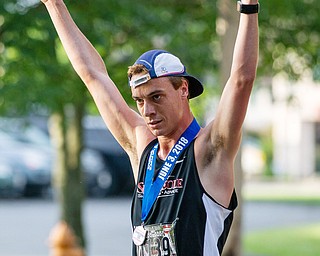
{"points": [[6, 139], [23, 132]]}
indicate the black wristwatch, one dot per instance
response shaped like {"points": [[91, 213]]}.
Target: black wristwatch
{"points": [[248, 8]]}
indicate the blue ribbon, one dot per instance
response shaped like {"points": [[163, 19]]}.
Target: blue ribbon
{"points": [[152, 189]]}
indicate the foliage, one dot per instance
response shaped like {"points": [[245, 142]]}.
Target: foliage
{"points": [[126, 29], [33, 77], [34, 62], [290, 38]]}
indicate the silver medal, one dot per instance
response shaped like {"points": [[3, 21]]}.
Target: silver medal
{"points": [[139, 235]]}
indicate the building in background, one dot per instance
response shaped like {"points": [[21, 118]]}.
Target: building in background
{"points": [[291, 112]]}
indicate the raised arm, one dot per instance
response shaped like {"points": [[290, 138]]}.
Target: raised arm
{"points": [[218, 143], [84, 58], [123, 122], [235, 97]]}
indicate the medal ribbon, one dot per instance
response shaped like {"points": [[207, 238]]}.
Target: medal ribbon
{"points": [[153, 188]]}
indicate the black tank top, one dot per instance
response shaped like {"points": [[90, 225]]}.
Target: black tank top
{"points": [[184, 220]]}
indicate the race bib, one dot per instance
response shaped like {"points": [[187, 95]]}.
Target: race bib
{"points": [[160, 241]]}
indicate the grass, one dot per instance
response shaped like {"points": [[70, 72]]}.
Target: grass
{"points": [[294, 241], [289, 241]]}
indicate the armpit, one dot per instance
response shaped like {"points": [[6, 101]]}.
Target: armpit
{"points": [[213, 149]]}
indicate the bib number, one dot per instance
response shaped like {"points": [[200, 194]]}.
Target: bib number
{"points": [[160, 241]]}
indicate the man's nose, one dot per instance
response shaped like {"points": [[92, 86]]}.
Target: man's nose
{"points": [[149, 109]]}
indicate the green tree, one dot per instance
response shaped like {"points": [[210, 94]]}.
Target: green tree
{"points": [[290, 38], [37, 77]]}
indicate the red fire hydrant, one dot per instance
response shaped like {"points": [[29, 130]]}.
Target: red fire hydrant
{"points": [[63, 242]]}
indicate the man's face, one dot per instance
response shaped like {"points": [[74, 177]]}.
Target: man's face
{"points": [[160, 105]]}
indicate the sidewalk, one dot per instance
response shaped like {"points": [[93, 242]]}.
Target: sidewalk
{"points": [[307, 188], [279, 204]]}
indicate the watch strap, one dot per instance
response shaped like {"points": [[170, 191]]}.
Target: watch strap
{"points": [[248, 8]]}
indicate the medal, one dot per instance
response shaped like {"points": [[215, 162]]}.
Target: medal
{"points": [[139, 235]]}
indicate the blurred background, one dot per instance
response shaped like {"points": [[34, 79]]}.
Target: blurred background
{"points": [[59, 162]]}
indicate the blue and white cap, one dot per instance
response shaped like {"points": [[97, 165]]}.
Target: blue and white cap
{"points": [[161, 63]]}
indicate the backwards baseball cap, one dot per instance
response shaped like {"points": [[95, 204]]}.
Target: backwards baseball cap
{"points": [[160, 63]]}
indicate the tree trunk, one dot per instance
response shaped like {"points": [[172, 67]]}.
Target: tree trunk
{"points": [[227, 27], [66, 131], [234, 243]]}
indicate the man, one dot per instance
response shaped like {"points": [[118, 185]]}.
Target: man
{"points": [[184, 198]]}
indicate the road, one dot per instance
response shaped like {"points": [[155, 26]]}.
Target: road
{"points": [[25, 224]]}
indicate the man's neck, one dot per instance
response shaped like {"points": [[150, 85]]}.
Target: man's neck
{"points": [[166, 143]]}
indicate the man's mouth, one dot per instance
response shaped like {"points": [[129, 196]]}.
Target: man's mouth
{"points": [[153, 124]]}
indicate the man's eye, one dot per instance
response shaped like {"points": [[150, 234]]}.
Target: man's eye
{"points": [[139, 101], [156, 97]]}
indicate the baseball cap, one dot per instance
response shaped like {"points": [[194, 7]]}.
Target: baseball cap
{"points": [[161, 63]]}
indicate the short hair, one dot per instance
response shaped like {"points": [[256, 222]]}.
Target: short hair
{"points": [[176, 81], [136, 69]]}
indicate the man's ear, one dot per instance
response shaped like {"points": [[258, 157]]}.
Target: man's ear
{"points": [[184, 89]]}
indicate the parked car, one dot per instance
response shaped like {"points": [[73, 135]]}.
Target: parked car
{"points": [[106, 166], [12, 179], [113, 175], [27, 167]]}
